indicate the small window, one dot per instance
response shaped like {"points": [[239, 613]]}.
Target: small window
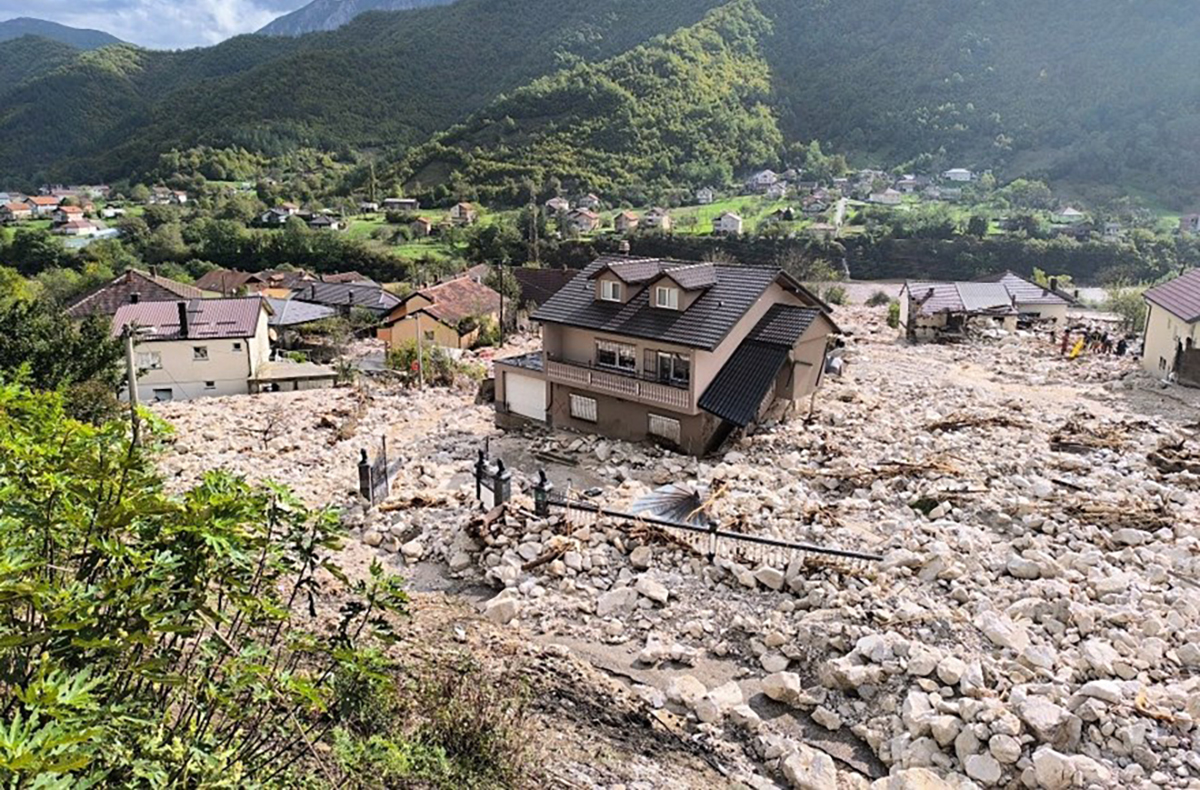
{"points": [[162, 395], [616, 355], [200, 353], [149, 360], [210, 385], [237, 346], [610, 290], [429, 335], [583, 408], [674, 368], [665, 428], [666, 297]]}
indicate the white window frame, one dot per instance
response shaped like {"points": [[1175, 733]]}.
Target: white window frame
{"points": [[667, 428], [149, 360], [671, 302], [199, 353], [610, 291], [584, 408], [671, 358]]}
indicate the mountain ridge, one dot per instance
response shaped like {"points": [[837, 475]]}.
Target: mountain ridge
{"points": [[324, 15], [81, 38]]}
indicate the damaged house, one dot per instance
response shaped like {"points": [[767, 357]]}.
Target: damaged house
{"points": [[679, 352], [932, 310]]}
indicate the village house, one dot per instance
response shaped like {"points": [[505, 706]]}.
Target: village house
{"points": [[463, 214], [161, 196], [589, 201], [290, 315], [946, 310], [582, 221], [678, 352], [131, 287], [278, 216], [349, 296], [705, 196], [960, 174], [822, 230], [656, 219], [197, 348], [1033, 302], [42, 205], [727, 224], [323, 222], [1111, 231], [112, 212], [778, 190], [625, 222], [368, 207], [76, 227], [450, 315], [64, 214], [762, 181], [558, 205], [347, 277], [421, 227], [806, 187], [1070, 215], [401, 205], [888, 197], [15, 212], [1189, 223], [1171, 341]]}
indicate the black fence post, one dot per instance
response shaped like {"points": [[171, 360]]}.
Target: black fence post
{"points": [[541, 495], [501, 484], [364, 478], [480, 469]]}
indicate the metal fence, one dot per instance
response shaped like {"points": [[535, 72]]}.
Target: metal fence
{"points": [[711, 542]]}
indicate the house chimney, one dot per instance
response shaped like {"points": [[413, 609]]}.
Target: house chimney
{"points": [[183, 319], [1053, 283], [623, 248], [135, 297]]}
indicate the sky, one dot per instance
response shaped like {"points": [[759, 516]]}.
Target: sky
{"points": [[160, 24]]}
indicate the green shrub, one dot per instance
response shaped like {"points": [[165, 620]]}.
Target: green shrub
{"points": [[836, 295], [878, 299], [437, 366], [164, 640], [893, 315], [1127, 302]]}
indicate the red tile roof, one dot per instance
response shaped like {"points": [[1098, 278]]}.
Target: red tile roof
{"points": [[42, 200], [1180, 296], [207, 319], [460, 298], [108, 298]]}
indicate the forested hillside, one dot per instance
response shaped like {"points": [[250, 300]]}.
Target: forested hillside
{"points": [[383, 81], [31, 56], [509, 89], [692, 104]]}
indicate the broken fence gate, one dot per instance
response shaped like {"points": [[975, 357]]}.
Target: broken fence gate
{"points": [[711, 541], [374, 482]]}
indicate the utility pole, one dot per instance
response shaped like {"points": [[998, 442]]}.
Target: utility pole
{"points": [[500, 278], [131, 375], [420, 355], [533, 229]]}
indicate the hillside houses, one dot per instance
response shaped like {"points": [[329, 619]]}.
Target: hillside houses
{"points": [[450, 315], [582, 220], [625, 222], [15, 212], [727, 224]]}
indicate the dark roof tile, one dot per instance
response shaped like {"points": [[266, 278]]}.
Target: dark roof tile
{"points": [[1180, 296], [739, 389], [108, 298]]}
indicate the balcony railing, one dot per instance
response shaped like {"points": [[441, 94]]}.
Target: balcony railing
{"points": [[621, 385]]}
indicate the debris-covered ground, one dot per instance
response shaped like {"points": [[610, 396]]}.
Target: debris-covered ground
{"points": [[1035, 621]]}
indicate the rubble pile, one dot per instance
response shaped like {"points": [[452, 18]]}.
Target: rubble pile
{"points": [[1035, 621]]}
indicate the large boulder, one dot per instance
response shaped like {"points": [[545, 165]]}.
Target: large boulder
{"points": [[809, 769]]}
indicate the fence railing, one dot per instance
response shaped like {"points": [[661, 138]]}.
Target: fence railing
{"points": [[711, 542], [624, 386]]}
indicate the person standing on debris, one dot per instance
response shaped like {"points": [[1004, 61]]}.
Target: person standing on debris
{"points": [[1122, 347], [1066, 342]]}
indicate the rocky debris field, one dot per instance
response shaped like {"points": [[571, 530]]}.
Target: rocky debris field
{"points": [[1034, 622]]}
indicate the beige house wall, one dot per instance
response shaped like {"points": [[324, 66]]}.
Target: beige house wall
{"points": [[709, 363], [1057, 312], [405, 331], [1165, 331]]}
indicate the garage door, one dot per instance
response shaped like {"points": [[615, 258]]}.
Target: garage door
{"points": [[525, 395]]}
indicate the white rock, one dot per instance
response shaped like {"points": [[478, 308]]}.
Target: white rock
{"points": [[686, 689], [782, 686], [372, 537], [912, 779], [950, 670], [654, 590], [770, 577], [618, 601], [413, 550], [1052, 770], [983, 768], [744, 716], [809, 769], [1100, 655], [1002, 631], [945, 729], [1051, 723], [503, 608], [774, 662], [1005, 748], [641, 557], [726, 696], [1105, 690], [827, 718]]}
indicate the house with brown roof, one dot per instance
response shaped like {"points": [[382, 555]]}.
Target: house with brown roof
{"points": [[1171, 342], [558, 205], [463, 214], [679, 352], [77, 227], [15, 212], [42, 205], [582, 220], [625, 222], [64, 214], [132, 287], [449, 315], [656, 219]]}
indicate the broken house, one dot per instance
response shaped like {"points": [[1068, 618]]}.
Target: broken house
{"points": [[1033, 302], [450, 315], [679, 352], [1172, 335], [933, 311]]}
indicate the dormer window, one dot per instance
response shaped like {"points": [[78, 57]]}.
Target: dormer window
{"points": [[610, 291], [666, 297]]}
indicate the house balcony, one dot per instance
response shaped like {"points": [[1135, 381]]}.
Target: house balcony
{"points": [[621, 385]]}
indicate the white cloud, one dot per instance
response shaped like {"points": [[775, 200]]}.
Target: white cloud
{"points": [[166, 24]]}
